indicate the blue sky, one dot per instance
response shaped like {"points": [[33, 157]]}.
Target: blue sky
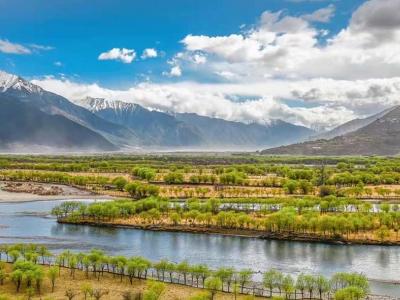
{"points": [[79, 30], [316, 63]]}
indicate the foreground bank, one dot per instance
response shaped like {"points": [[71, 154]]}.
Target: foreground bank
{"points": [[28, 273]]}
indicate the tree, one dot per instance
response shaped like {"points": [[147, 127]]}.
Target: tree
{"points": [[38, 277], [70, 294], [98, 293], [322, 285], [301, 284], [288, 286], [30, 292], [183, 268], [350, 293], [290, 186], [16, 277], [213, 284], [243, 277], [272, 279], [309, 281], [86, 289], [383, 233], [305, 186], [119, 182]]}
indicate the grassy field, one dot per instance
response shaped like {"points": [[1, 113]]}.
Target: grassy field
{"points": [[114, 287]]}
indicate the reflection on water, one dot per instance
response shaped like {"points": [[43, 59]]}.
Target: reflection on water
{"points": [[293, 257]]}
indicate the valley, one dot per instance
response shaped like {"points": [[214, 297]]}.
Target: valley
{"points": [[339, 214]]}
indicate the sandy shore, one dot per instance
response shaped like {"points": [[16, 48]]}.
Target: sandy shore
{"points": [[68, 193]]}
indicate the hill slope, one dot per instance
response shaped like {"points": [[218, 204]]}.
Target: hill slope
{"points": [[351, 126], [23, 128], [381, 137]]}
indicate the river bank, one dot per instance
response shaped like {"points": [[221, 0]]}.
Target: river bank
{"points": [[65, 192], [249, 233]]}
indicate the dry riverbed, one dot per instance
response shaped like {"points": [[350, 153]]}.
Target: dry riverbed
{"points": [[26, 192]]}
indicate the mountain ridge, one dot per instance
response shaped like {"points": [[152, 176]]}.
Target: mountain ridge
{"points": [[380, 137], [192, 130], [53, 104]]}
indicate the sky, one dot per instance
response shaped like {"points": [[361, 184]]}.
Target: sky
{"points": [[316, 63]]}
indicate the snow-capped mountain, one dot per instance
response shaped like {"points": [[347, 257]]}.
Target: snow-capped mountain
{"points": [[53, 104], [99, 104], [164, 129], [131, 125], [154, 128], [10, 81]]}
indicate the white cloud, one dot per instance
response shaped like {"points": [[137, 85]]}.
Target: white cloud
{"points": [[13, 48], [175, 71], [58, 63], [323, 15], [199, 59], [278, 69], [121, 54], [41, 47], [327, 102], [284, 46], [149, 53]]}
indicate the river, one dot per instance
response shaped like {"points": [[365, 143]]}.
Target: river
{"points": [[29, 222]]}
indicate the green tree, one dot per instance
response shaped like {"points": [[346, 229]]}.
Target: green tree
{"points": [[350, 293], [213, 284]]}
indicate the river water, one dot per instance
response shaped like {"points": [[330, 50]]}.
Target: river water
{"points": [[30, 222]]}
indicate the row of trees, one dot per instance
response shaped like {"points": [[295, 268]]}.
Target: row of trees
{"points": [[96, 263], [212, 215], [52, 177]]}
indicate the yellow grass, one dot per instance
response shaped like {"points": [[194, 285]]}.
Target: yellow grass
{"points": [[112, 284]]}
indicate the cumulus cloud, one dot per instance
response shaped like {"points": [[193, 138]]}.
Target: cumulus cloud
{"points": [[13, 48], [281, 45], [284, 67], [175, 71], [120, 54], [327, 102], [149, 53]]}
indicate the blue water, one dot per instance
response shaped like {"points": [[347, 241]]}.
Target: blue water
{"points": [[29, 222]]}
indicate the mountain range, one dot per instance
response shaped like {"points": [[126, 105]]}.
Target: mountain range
{"points": [[111, 125], [376, 135]]}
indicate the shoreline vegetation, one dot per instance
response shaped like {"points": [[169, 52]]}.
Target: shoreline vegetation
{"points": [[284, 236], [33, 269], [328, 220]]}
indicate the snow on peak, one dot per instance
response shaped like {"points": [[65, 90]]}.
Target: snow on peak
{"points": [[10, 81], [97, 104]]}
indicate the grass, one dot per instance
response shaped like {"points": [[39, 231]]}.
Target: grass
{"points": [[113, 284]]}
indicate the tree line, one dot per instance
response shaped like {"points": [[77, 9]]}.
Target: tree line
{"points": [[27, 271]]}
